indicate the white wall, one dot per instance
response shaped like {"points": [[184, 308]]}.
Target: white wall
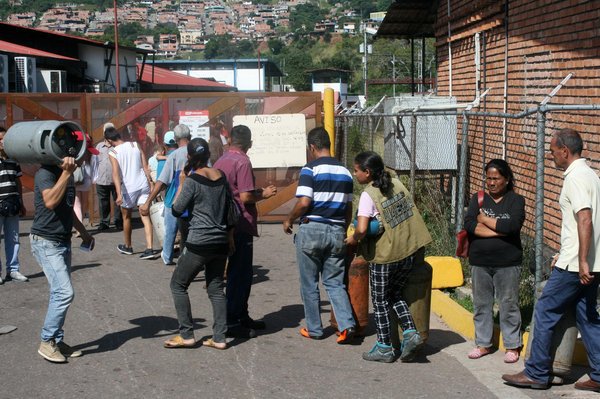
{"points": [[247, 79]]}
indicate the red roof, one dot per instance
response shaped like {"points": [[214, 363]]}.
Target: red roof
{"points": [[23, 50], [164, 76]]}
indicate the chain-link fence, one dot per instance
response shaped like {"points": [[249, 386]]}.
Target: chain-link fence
{"points": [[426, 143]]}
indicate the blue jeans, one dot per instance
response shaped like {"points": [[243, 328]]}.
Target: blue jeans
{"points": [[239, 279], [55, 259], [170, 234], [320, 250], [563, 290], [10, 224]]}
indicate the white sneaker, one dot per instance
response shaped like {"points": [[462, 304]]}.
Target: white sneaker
{"points": [[1, 281], [18, 277]]}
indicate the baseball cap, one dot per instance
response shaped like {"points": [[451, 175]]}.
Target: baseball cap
{"points": [[88, 142], [169, 138]]}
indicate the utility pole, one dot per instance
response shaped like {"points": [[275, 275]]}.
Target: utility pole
{"points": [[118, 82], [365, 50], [394, 75]]}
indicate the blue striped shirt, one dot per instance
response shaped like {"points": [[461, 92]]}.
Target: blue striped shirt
{"points": [[329, 184]]}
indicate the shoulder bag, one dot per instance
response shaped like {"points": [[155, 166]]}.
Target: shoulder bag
{"points": [[462, 237]]}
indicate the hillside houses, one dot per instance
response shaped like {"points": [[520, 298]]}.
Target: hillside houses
{"points": [[196, 21]]}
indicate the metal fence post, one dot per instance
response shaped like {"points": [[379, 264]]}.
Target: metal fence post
{"points": [[345, 138], [539, 201], [413, 153], [462, 173]]}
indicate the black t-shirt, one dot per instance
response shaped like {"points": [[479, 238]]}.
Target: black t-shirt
{"points": [[497, 251], [52, 224]]}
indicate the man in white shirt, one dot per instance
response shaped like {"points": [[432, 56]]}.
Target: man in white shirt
{"points": [[576, 274]]}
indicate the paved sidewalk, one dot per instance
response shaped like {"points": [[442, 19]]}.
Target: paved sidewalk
{"points": [[123, 311]]}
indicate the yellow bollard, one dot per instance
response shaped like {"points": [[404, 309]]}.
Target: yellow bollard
{"points": [[329, 117]]}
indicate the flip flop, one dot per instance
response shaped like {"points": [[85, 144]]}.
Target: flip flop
{"points": [[177, 342], [479, 352], [212, 344]]}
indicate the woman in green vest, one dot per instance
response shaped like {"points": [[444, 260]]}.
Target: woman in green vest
{"points": [[390, 252]]}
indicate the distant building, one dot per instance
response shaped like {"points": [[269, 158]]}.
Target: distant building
{"points": [[243, 74], [331, 78]]}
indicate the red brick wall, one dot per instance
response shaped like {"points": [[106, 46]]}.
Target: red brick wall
{"points": [[546, 41]]}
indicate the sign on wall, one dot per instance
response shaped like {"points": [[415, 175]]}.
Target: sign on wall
{"points": [[197, 121], [278, 141]]}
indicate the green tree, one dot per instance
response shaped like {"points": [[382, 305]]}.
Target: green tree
{"points": [[305, 16]]}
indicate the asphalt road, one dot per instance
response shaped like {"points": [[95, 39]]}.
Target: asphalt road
{"points": [[123, 311]]}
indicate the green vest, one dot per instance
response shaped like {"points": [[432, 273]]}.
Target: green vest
{"points": [[405, 231]]}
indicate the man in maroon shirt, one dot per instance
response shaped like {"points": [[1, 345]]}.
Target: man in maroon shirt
{"points": [[238, 169]]}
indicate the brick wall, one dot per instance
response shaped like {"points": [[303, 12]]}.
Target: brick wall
{"points": [[546, 41]]}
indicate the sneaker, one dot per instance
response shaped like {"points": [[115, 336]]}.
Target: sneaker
{"points": [[240, 332], [125, 250], [68, 351], [166, 261], [253, 324], [49, 351], [411, 343], [17, 276], [304, 332], [148, 254], [346, 336], [1, 281], [380, 353]]}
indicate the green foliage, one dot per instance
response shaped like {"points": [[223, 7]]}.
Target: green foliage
{"points": [[221, 46], [129, 32], [305, 16]]}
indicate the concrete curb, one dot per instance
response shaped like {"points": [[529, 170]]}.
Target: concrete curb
{"points": [[460, 321]]}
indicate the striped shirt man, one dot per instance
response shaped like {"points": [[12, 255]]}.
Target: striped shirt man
{"points": [[10, 171], [329, 184]]}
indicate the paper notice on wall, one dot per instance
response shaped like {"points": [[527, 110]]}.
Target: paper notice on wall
{"points": [[197, 121], [278, 141]]}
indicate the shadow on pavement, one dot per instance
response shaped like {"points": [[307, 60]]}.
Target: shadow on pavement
{"points": [[288, 316], [145, 327], [259, 274], [73, 269]]}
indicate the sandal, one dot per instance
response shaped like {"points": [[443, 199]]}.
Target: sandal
{"points": [[511, 356], [479, 352], [178, 342], [212, 344]]}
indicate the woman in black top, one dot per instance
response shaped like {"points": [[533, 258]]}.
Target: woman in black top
{"points": [[202, 193], [495, 255]]}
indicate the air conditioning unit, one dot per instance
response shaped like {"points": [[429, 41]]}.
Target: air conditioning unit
{"points": [[52, 81], [3, 73], [25, 75]]}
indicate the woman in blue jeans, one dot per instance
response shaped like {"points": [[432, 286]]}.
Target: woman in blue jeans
{"points": [[202, 192], [495, 255]]}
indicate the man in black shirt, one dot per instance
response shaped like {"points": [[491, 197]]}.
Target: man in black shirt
{"points": [[54, 196]]}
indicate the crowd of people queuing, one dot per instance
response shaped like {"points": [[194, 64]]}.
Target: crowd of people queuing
{"points": [[196, 177]]}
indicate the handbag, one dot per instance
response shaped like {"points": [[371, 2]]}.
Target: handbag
{"points": [[232, 209], [462, 237]]}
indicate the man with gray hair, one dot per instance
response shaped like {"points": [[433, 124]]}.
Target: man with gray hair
{"points": [[574, 280], [169, 177]]}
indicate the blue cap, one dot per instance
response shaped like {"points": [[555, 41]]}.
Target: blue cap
{"points": [[169, 138]]}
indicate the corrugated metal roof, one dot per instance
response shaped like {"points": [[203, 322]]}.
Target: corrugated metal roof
{"points": [[409, 19], [28, 51]]}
